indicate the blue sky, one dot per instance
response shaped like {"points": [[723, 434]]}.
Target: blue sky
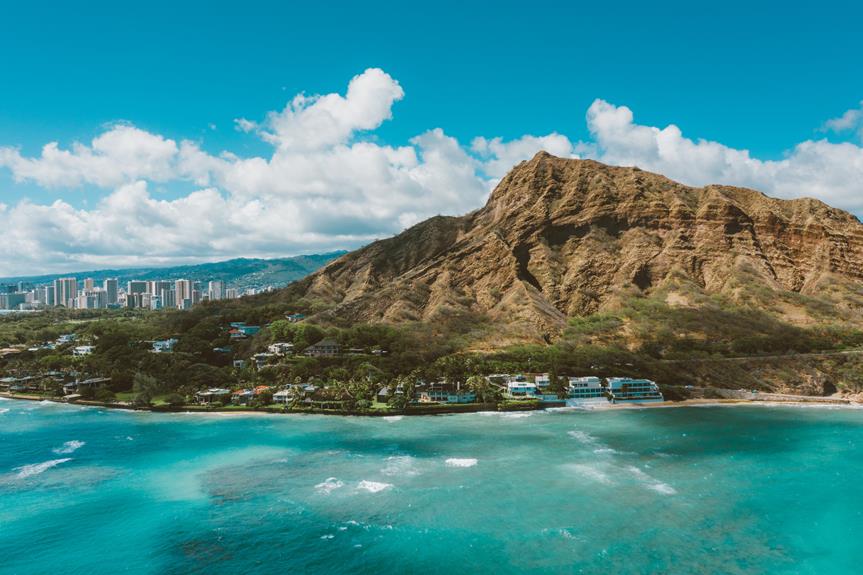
{"points": [[747, 76]]}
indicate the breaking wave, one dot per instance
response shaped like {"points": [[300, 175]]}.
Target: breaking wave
{"points": [[26, 471], [400, 466], [461, 462], [651, 482], [373, 486], [329, 485], [589, 471], [69, 447]]}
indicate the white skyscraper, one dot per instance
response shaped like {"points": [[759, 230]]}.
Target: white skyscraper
{"points": [[216, 290]]}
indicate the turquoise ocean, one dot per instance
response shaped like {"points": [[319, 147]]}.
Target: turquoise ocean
{"points": [[743, 489]]}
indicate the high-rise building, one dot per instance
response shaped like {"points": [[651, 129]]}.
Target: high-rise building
{"points": [[65, 292], [155, 287], [136, 287], [12, 300], [46, 295], [232, 293], [110, 287], [89, 284], [184, 289], [216, 290], [168, 298]]}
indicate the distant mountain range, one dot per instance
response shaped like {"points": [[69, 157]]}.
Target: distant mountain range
{"points": [[239, 273]]}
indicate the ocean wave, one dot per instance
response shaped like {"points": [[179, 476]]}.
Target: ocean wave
{"points": [[26, 471], [373, 486], [590, 471], [400, 466], [516, 414], [461, 462], [651, 482], [663, 488], [69, 447], [583, 437], [4, 410], [393, 418], [329, 485]]}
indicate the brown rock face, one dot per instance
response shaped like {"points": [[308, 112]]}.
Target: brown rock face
{"points": [[560, 237]]}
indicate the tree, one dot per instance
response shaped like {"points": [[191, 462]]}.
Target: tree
{"points": [[485, 391], [175, 400], [144, 387], [104, 395], [263, 398], [557, 384], [402, 390]]}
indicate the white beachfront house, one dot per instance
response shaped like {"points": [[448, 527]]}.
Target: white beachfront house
{"points": [[585, 391], [521, 389], [631, 390], [82, 350], [212, 395]]}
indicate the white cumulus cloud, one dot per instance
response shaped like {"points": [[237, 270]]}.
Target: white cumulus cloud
{"points": [[327, 184], [832, 172]]}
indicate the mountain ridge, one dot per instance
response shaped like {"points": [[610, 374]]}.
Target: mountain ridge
{"points": [[560, 238]]}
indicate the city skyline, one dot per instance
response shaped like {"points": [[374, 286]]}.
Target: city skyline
{"points": [[182, 294]]}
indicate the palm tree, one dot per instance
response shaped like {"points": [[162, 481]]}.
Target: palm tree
{"points": [[483, 388]]}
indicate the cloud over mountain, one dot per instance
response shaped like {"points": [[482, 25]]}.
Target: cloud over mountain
{"points": [[328, 183]]}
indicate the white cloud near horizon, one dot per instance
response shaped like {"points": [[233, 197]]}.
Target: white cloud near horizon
{"points": [[327, 186], [831, 172]]}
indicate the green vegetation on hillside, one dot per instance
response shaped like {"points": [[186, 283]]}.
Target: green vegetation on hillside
{"points": [[643, 337]]}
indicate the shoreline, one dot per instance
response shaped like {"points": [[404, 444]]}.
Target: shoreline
{"points": [[774, 400]]}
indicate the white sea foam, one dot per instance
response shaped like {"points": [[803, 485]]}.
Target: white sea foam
{"points": [[583, 437], [663, 488], [400, 466], [605, 451], [328, 486], [69, 447], [327, 536], [4, 410], [36, 468], [373, 486], [589, 471], [516, 414], [651, 482], [393, 418], [461, 462]]}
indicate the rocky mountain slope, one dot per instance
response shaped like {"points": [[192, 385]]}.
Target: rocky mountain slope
{"points": [[563, 238]]}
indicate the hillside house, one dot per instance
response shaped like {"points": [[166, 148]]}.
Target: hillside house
{"points": [[324, 348]]}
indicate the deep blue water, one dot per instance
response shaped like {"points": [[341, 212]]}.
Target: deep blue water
{"points": [[689, 490]]}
